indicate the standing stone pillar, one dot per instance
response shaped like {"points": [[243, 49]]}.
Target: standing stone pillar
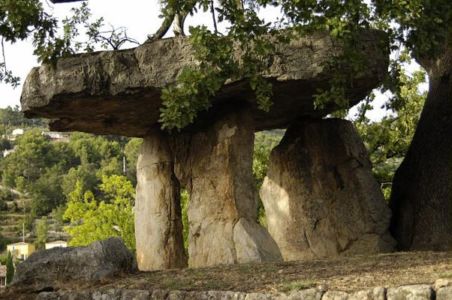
{"points": [[222, 210], [158, 222], [320, 197]]}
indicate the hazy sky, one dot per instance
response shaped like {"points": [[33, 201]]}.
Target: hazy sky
{"points": [[140, 17]]}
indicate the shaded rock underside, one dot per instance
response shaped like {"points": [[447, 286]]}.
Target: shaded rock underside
{"points": [[118, 92]]}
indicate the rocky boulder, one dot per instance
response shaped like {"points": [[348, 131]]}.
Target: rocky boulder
{"points": [[320, 197], [215, 165], [48, 269], [118, 92], [158, 220]]}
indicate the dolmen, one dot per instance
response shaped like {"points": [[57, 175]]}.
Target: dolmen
{"points": [[320, 197]]}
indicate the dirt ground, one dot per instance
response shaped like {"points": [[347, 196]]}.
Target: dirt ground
{"points": [[345, 274]]}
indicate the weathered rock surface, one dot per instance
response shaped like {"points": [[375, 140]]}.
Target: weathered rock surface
{"points": [[413, 292], [320, 197], [410, 292], [444, 293], [222, 211], [51, 268], [118, 92], [158, 222], [378, 293]]}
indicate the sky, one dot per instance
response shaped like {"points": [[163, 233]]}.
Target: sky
{"points": [[140, 17]]}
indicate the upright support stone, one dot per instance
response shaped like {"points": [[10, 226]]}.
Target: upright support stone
{"points": [[320, 197], [158, 222], [222, 210]]}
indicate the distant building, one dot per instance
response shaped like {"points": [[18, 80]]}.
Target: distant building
{"points": [[2, 276], [17, 131], [56, 136], [8, 152], [21, 250], [56, 244]]}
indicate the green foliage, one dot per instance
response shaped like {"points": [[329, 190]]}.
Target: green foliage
{"points": [[263, 145], [11, 117], [110, 215], [33, 153], [36, 167], [131, 151], [388, 140], [46, 192], [3, 243], [22, 19], [4, 145], [184, 199], [6, 195], [42, 228], [218, 62], [84, 174], [246, 51], [9, 268], [57, 215], [422, 26]]}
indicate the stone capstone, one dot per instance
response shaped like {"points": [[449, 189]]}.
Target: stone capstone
{"points": [[222, 212], [118, 92], [51, 268], [320, 197], [158, 221]]}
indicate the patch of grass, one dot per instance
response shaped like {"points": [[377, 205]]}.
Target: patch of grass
{"points": [[296, 285], [175, 283], [445, 275]]}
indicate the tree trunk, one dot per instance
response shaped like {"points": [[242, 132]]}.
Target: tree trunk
{"points": [[421, 198]]}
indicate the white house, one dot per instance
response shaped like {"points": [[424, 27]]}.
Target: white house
{"points": [[8, 152], [56, 244], [17, 131], [21, 250], [56, 136]]}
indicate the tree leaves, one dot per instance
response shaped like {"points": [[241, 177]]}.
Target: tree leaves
{"points": [[110, 215]]}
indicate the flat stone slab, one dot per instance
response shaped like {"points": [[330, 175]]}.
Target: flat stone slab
{"points": [[118, 92]]}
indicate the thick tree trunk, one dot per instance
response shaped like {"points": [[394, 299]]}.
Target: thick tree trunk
{"points": [[421, 198], [158, 222]]}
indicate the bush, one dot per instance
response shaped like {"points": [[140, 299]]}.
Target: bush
{"points": [[3, 243], [3, 205], [6, 195], [5, 144]]}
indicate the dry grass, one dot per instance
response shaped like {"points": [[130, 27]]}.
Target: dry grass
{"points": [[346, 274]]}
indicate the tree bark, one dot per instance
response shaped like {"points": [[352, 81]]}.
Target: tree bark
{"points": [[421, 198], [163, 29]]}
